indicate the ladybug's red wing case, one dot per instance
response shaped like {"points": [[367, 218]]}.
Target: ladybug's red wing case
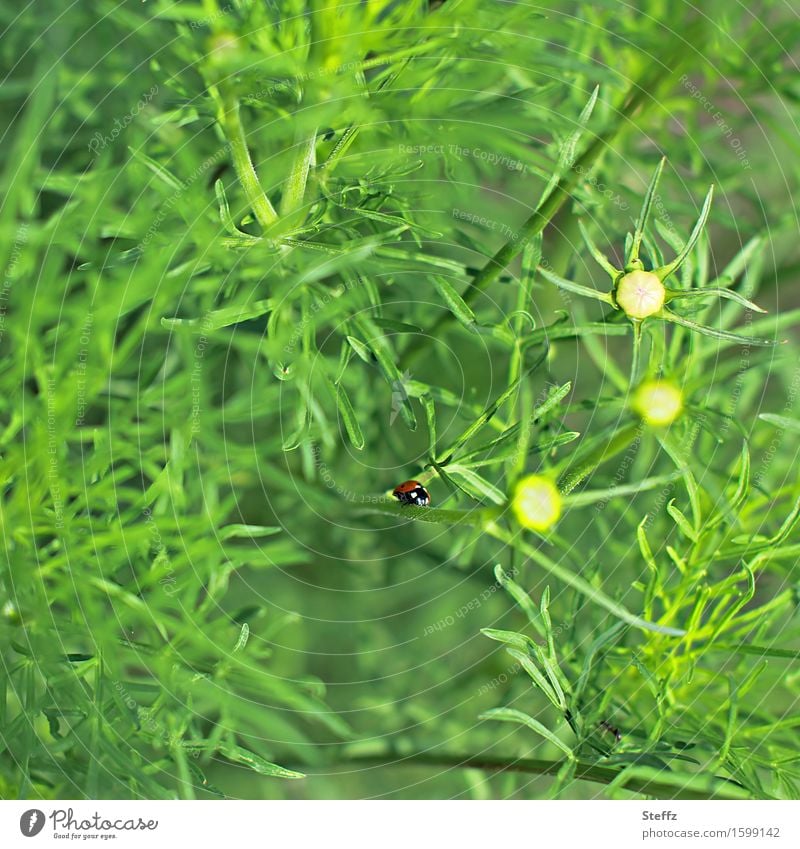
{"points": [[412, 492]]}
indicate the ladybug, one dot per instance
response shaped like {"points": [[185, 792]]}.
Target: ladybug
{"points": [[412, 492]]}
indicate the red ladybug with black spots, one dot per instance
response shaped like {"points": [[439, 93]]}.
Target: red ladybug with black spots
{"points": [[412, 492]]}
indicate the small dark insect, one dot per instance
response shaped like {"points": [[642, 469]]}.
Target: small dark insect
{"points": [[607, 726], [412, 492]]}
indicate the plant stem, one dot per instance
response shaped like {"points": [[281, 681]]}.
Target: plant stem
{"points": [[437, 515], [231, 121], [637, 353], [724, 789]]}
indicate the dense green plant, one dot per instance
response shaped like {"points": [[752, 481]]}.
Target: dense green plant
{"points": [[265, 260]]}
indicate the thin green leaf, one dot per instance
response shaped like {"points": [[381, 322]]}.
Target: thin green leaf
{"points": [[713, 332], [682, 522], [479, 423], [730, 294], [224, 210], [384, 356], [676, 263], [255, 762], [455, 303], [477, 486], [576, 288], [244, 635], [600, 258], [521, 598], [349, 417], [567, 152], [641, 221], [163, 174], [248, 531], [361, 349], [510, 715], [577, 582], [782, 422]]}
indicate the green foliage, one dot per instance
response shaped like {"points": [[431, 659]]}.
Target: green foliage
{"points": [[265, 260]]}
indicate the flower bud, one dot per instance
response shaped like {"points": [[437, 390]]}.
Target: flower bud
{"points": [[640, 294], [536, 503], [658, 402]]}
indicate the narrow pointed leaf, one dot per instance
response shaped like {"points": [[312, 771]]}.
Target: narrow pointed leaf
{"points": [[576, 581], [576, 288], [478, 424], [255, 762], [510, 715], [567, 153], [349, 417], [641, 221], [477, 486], [455, 303], [600, 258], [783, 422], [714, 333], [676, 263], [730, 294]]}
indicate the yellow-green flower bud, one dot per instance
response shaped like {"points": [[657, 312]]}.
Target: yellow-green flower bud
{"points": [[658, 402], [640, 294], [536, 503]]}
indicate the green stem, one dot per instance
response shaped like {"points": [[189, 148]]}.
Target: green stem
{"points": [[185, 782], [637, 353], [719, 788], [231, 121], [436, 515]]}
